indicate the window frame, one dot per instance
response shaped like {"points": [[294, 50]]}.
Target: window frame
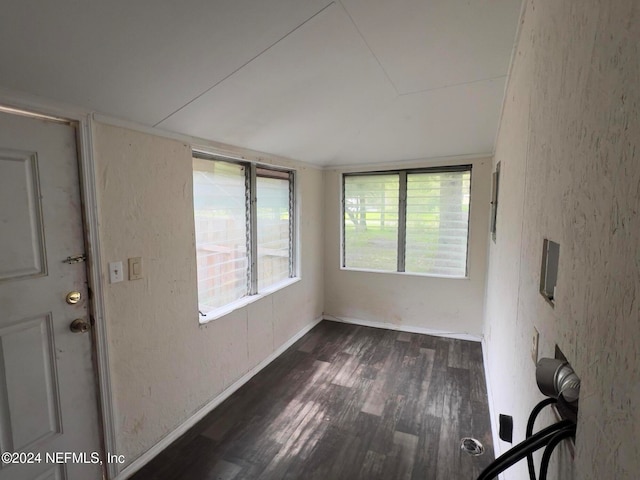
{"points": [[495, 193], [253, 170], [402, 216]]}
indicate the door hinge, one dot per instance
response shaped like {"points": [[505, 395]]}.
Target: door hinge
{"points": [[76, 259]]}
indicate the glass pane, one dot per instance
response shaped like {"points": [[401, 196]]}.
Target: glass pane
{"points": [[437, 223], [273, 230], [371, 221], [221, 232]]}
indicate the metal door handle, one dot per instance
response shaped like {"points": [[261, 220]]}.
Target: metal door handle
{"points": [[79, 325]]}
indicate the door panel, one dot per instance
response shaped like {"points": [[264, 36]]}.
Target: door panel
{"points": [[23, 251], [54, 473], [48, 401], [30, 410]]}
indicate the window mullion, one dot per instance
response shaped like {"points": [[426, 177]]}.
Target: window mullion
{"points": [[402, 220], [343, 260], [292, 224], [252, 229]]}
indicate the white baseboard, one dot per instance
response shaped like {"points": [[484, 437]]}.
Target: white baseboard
{"points": [[493, 415], [405, 328], [146, 457]]}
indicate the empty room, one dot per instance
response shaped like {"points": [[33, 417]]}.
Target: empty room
{"points": [[320, 239]]}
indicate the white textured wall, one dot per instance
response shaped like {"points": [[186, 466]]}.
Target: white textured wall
{"points": [[164, 365], [410, 301], [569, 146]]}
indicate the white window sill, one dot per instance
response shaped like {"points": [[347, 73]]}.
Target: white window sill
{"points": [[408, 274], [244, 301]]}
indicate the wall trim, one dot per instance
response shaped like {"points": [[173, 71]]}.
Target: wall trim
{"points": [[514, 51], [95, 273], [411, 162], [493, 415], [405, 328], [209, 146], [146, 457]]}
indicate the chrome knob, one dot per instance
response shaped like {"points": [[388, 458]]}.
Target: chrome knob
{"points": [[79, 325]]}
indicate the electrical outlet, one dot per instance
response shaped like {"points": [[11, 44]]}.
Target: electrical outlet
{"points": [[534, 345], [506, 428], [115, 272]]}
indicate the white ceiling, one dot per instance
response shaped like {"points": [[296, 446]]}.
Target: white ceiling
{"points": [[345, 82]]}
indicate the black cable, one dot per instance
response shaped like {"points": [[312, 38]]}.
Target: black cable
{"points": [[517, 453], [530, 423], [553, 443], [521, 450]]}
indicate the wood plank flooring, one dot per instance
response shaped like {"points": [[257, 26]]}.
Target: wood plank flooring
{"points": [[345, 402]]}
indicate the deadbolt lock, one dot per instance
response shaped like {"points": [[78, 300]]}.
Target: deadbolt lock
{"points": [[73, 297], [79, 325]]}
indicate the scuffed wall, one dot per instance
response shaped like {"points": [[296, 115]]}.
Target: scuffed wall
{"points": [[164, 365], [569, 147], [409, 301]]}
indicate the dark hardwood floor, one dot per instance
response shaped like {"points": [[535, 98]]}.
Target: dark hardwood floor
{"points": [[345, 402]]}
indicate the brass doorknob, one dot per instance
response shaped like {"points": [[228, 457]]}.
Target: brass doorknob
{"points": [[73, 297], [79, 325]]}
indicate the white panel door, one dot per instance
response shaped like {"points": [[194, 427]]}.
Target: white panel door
{"points": [[48, 401]]}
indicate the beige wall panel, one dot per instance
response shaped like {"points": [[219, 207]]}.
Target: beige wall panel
{"points": [[410, 301], [569, 144], [164, 365]]}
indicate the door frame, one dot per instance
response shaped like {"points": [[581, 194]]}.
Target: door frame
{"points": [[83, 122]]}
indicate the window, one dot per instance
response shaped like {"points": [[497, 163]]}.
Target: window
{"points": [[244, 230], [414, 221], [274, 227]]}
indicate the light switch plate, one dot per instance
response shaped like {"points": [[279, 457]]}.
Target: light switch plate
{"points": [[115, 272], [135, 268], [534, 345]]}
